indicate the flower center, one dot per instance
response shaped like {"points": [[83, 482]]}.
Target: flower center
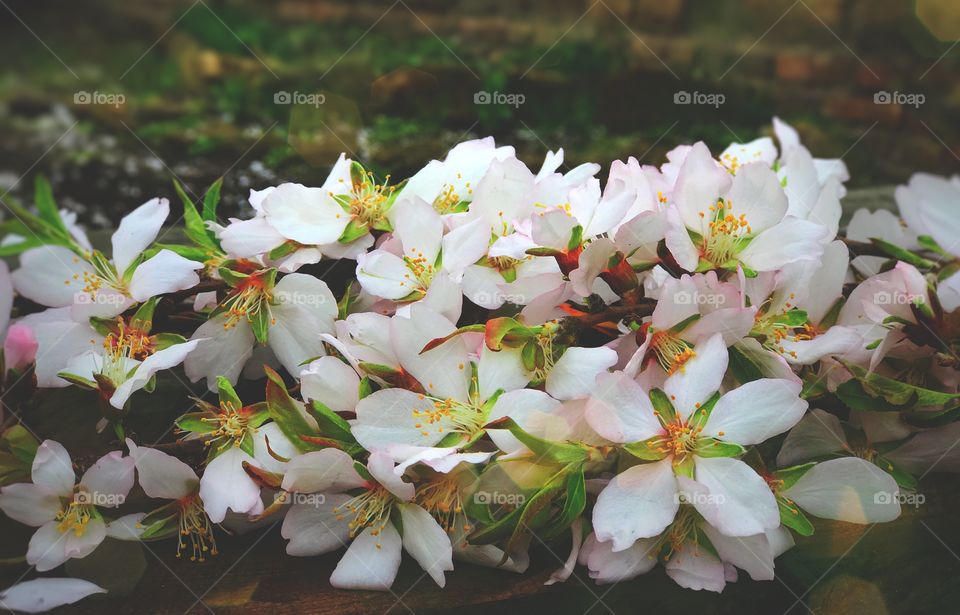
{"points": [[367, 200], [250, 296], [441, 498], [449, 199], [76, 516], [681, 532], [232, 425], [420, 272], [680, 439], [369, 509], [724, 234], [672, 353], [195, 526], [449, 416]]}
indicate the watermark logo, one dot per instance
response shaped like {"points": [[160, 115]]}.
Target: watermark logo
{"points": [[486, 498], [498, 98], [303, 499], [298, 98], [496, 298], [95, 498], [700, 498], [904, 499], [113, 99], [712, 99], [299, 298], [909, 99], [897, 298], [95, 298], [697, 298]]}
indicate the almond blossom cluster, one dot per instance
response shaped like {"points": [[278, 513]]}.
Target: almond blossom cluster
{"points": [[685, 365]]}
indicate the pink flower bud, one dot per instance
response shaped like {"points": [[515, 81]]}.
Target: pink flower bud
{"points": [[20, 347]]}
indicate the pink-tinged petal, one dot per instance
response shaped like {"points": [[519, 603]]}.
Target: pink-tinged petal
{"points": [[700, 183], [847, 489], [426, 542], [249, 238], [443, 297], [6, 299], [933, 448], [640, 502], [620, 411], [307, 215], [371, 562], [52, 468], [280, 446], [420, 231], [385, 274], [789, 241], [575, 374], [29, 504], [442, 370], [756, 193], [59, 338], [330, 470], [836, 340], [732, 323], [464, 246], [137, 231], [608, 566], [442, 460], [381, 468], [756, 411], [679, 300], [166, 272], [695, 568], [127, 527], [593, 260], [553, 229], [225, 486], [109, 480], [331, 382], [678, 241], [162, 475], [79, 546], [500, 370], [760, 150], [224, 353], [104, 302], [738, 501], [314, 528], [51, 276], [696, 380], [20, 346], [40, 595]]}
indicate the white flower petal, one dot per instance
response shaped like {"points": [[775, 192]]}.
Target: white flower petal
{"points": [[110, 479], [620, 411], [847, 489], [166, 272], [224, 352], [640, 502], [307, 215], [29, 504], [426, 542], [50, 275], [575, 374], [738, 501], [160, 360], [756, 411], [371, 562], [52, 468], [226, 486], [162, 475], [314, 529], [699, 378], [137, 231], [328, 470], [442, 370], [331, 382], [40, 595]]}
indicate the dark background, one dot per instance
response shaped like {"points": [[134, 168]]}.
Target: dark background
{"points": [[198, 80]]}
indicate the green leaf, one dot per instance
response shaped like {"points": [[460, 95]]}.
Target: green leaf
{"points": [[933, 419], [353, 231], [143, 317], [662, 406], [852, 394], [227, 394], [194, 226], [576, 238], [285, 411], [898, 393], [211, 199], [366, 387], [709, 447], [793, 518], [744, 370], [904, 479], [573, 505], [194, 422], [902, 254], [788, 477], [21, 246], [330, 423], [559, 452], [648, 450], [792, 318], [47, 207], [80, 381], [260, 323]]}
